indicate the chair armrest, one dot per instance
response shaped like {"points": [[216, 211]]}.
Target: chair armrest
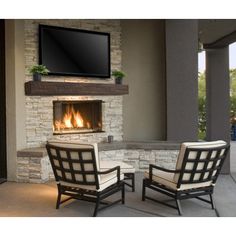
{"points": [[151, 167], [117, 168]]}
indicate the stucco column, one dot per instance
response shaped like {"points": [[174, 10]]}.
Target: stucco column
{"points": [[181, 79], [15, 97], [217, 97]]}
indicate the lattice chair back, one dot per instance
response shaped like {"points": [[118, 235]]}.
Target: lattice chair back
{"points": [[74, 163], [200, 163]]}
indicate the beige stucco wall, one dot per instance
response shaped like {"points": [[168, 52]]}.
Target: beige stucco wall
{"points": [[15, 99], [143, 60]]}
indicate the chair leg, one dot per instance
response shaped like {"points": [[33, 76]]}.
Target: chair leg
{"points": [[133, 182], [96, 206], [212, 201], [58, 197], [179, 208], [144, 191], [123, 193]]}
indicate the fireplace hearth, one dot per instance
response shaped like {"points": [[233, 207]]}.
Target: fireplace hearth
{"points": [[70, 117]]}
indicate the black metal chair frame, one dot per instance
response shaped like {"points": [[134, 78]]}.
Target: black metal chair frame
{"points": [[130, 177], [80, 193], [194, 192]]}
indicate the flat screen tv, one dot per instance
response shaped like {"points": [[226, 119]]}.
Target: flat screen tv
{"points": [[74, 52]]}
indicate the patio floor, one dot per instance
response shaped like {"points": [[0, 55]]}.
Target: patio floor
{"points": [[20, 199]]}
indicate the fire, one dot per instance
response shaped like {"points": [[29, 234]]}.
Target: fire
{"points": [[71, 119], [79, 122], [67, 120]]}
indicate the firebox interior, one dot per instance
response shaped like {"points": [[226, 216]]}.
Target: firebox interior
{"points": [[77, 116]]}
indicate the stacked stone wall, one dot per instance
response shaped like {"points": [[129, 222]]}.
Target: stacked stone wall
{"points": [[38, 169], [39, 109]]}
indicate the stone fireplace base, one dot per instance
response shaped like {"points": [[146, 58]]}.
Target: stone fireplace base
{"points": [[33, 164]]}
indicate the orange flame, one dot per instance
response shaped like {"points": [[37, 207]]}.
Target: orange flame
{"points": [[79, 122], [67, 120], [71, 119]]}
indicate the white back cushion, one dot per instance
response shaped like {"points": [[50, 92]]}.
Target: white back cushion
{"points": [[193, 155], [74, 155]]}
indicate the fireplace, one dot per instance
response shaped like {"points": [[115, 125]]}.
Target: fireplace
{"points": [[71, 117]]}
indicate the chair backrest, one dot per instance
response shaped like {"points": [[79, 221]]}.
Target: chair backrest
{"points": [[200, 162], [75, 163]]}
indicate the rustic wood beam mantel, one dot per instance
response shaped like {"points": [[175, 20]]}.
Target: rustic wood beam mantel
{"points": [[43, 88]]}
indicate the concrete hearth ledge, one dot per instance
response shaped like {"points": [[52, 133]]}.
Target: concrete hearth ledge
{"points": [[32, 152], [129, 145], [146, 145]]}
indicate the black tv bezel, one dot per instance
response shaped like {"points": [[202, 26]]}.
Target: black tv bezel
{"points": [[41, 26]]}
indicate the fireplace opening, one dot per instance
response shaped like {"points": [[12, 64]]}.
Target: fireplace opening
{"points": [[77, 117]]}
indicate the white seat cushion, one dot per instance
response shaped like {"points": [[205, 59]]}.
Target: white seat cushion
{"points": [[105, 181], [167, 179], [163, 178], [124, 167]]}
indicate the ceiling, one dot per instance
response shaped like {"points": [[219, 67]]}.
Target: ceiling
{"points": [[211, 30]]}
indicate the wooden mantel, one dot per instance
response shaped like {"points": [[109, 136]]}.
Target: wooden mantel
{"points": [[43, 88]]}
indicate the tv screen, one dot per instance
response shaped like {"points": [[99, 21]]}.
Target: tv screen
{"points": [[74, 52]]}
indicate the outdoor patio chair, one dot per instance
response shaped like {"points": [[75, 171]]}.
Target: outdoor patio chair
{"points": [[77, 173], [197, 168]]}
